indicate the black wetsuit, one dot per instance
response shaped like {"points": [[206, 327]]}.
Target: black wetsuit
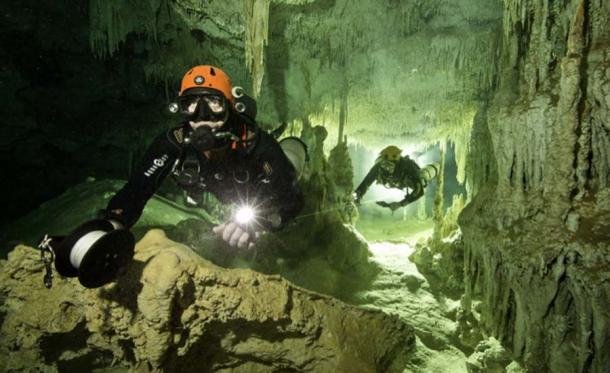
{"points": [[405, 175], [257, 173]]}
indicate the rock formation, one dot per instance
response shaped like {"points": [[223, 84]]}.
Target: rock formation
{"points": [[536, 235], [173, 311]]}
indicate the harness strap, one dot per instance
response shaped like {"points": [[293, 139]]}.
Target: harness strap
{"points": [[244, 137]]}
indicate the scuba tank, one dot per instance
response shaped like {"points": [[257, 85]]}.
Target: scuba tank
{"points": [[296, 152], [428, 173]]}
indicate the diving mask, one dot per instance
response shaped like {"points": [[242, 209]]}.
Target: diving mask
{"points": [[388, 166], [204, 107]]}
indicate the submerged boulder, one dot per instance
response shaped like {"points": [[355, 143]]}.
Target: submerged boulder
{"points": [[172, 310]]}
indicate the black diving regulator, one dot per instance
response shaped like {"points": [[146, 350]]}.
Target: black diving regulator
{"points": [[204, 138], [94, 252]]}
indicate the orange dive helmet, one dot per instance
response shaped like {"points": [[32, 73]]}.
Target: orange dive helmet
{"points": [[206, 76]]}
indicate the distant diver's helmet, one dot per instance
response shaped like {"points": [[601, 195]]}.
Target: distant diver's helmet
{"points": [[390, 153], [296, 152], [429, 172], [388, 157], [94, 252]]}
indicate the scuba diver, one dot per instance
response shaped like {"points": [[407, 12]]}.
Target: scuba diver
{"points": [[396, 171], [219, 149]]}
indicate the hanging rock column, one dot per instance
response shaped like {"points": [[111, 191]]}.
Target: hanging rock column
{"points": [[257, 29]]}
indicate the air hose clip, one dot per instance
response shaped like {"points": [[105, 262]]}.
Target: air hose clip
{"points": [[47, 256]]}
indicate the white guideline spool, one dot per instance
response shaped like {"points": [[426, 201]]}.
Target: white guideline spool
{"points": [[82, 246]]}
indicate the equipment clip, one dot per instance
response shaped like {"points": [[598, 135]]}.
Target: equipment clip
{"points": [[47, 256]]}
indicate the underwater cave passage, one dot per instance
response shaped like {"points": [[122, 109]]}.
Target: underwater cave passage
{"points": [[280, 182]]}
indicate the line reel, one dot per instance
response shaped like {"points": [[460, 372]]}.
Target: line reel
{"points": [[94, 252]]}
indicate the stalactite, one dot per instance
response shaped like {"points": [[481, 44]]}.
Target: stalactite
{"points": [[560, 163], [466, 56], [599, 147], [110, 21], [600, 97], [343, 113], [548, 136], [257, 29], [481, 160], [438, 211], [583, 155], [461, 140]]}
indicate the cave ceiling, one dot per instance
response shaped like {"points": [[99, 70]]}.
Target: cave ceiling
{"points": [[410, 71]]}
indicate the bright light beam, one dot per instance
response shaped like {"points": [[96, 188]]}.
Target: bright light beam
{"points": [[245, 215]]}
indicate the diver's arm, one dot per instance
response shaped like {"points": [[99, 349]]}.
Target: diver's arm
{"points": [[368, 180], [284, 199], [128, 203]]}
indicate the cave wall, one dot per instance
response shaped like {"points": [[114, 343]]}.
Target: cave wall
{"points": [[386, 61], [536, 233], [65, 114]]}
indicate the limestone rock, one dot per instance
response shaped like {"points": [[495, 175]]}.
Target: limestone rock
{"points": [[441, 262], [515, 367], [489, 357], [536, 238], [171, 310]]}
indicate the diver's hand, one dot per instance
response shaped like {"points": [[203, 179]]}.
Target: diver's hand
{"points": [[236, 235], [356, 197]]}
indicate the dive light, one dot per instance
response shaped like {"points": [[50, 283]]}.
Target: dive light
{"points": [[245, 215], [254, 219]]}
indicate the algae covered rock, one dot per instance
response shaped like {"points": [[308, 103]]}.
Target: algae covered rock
{"points": [[171, 310], [489, 357]]}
